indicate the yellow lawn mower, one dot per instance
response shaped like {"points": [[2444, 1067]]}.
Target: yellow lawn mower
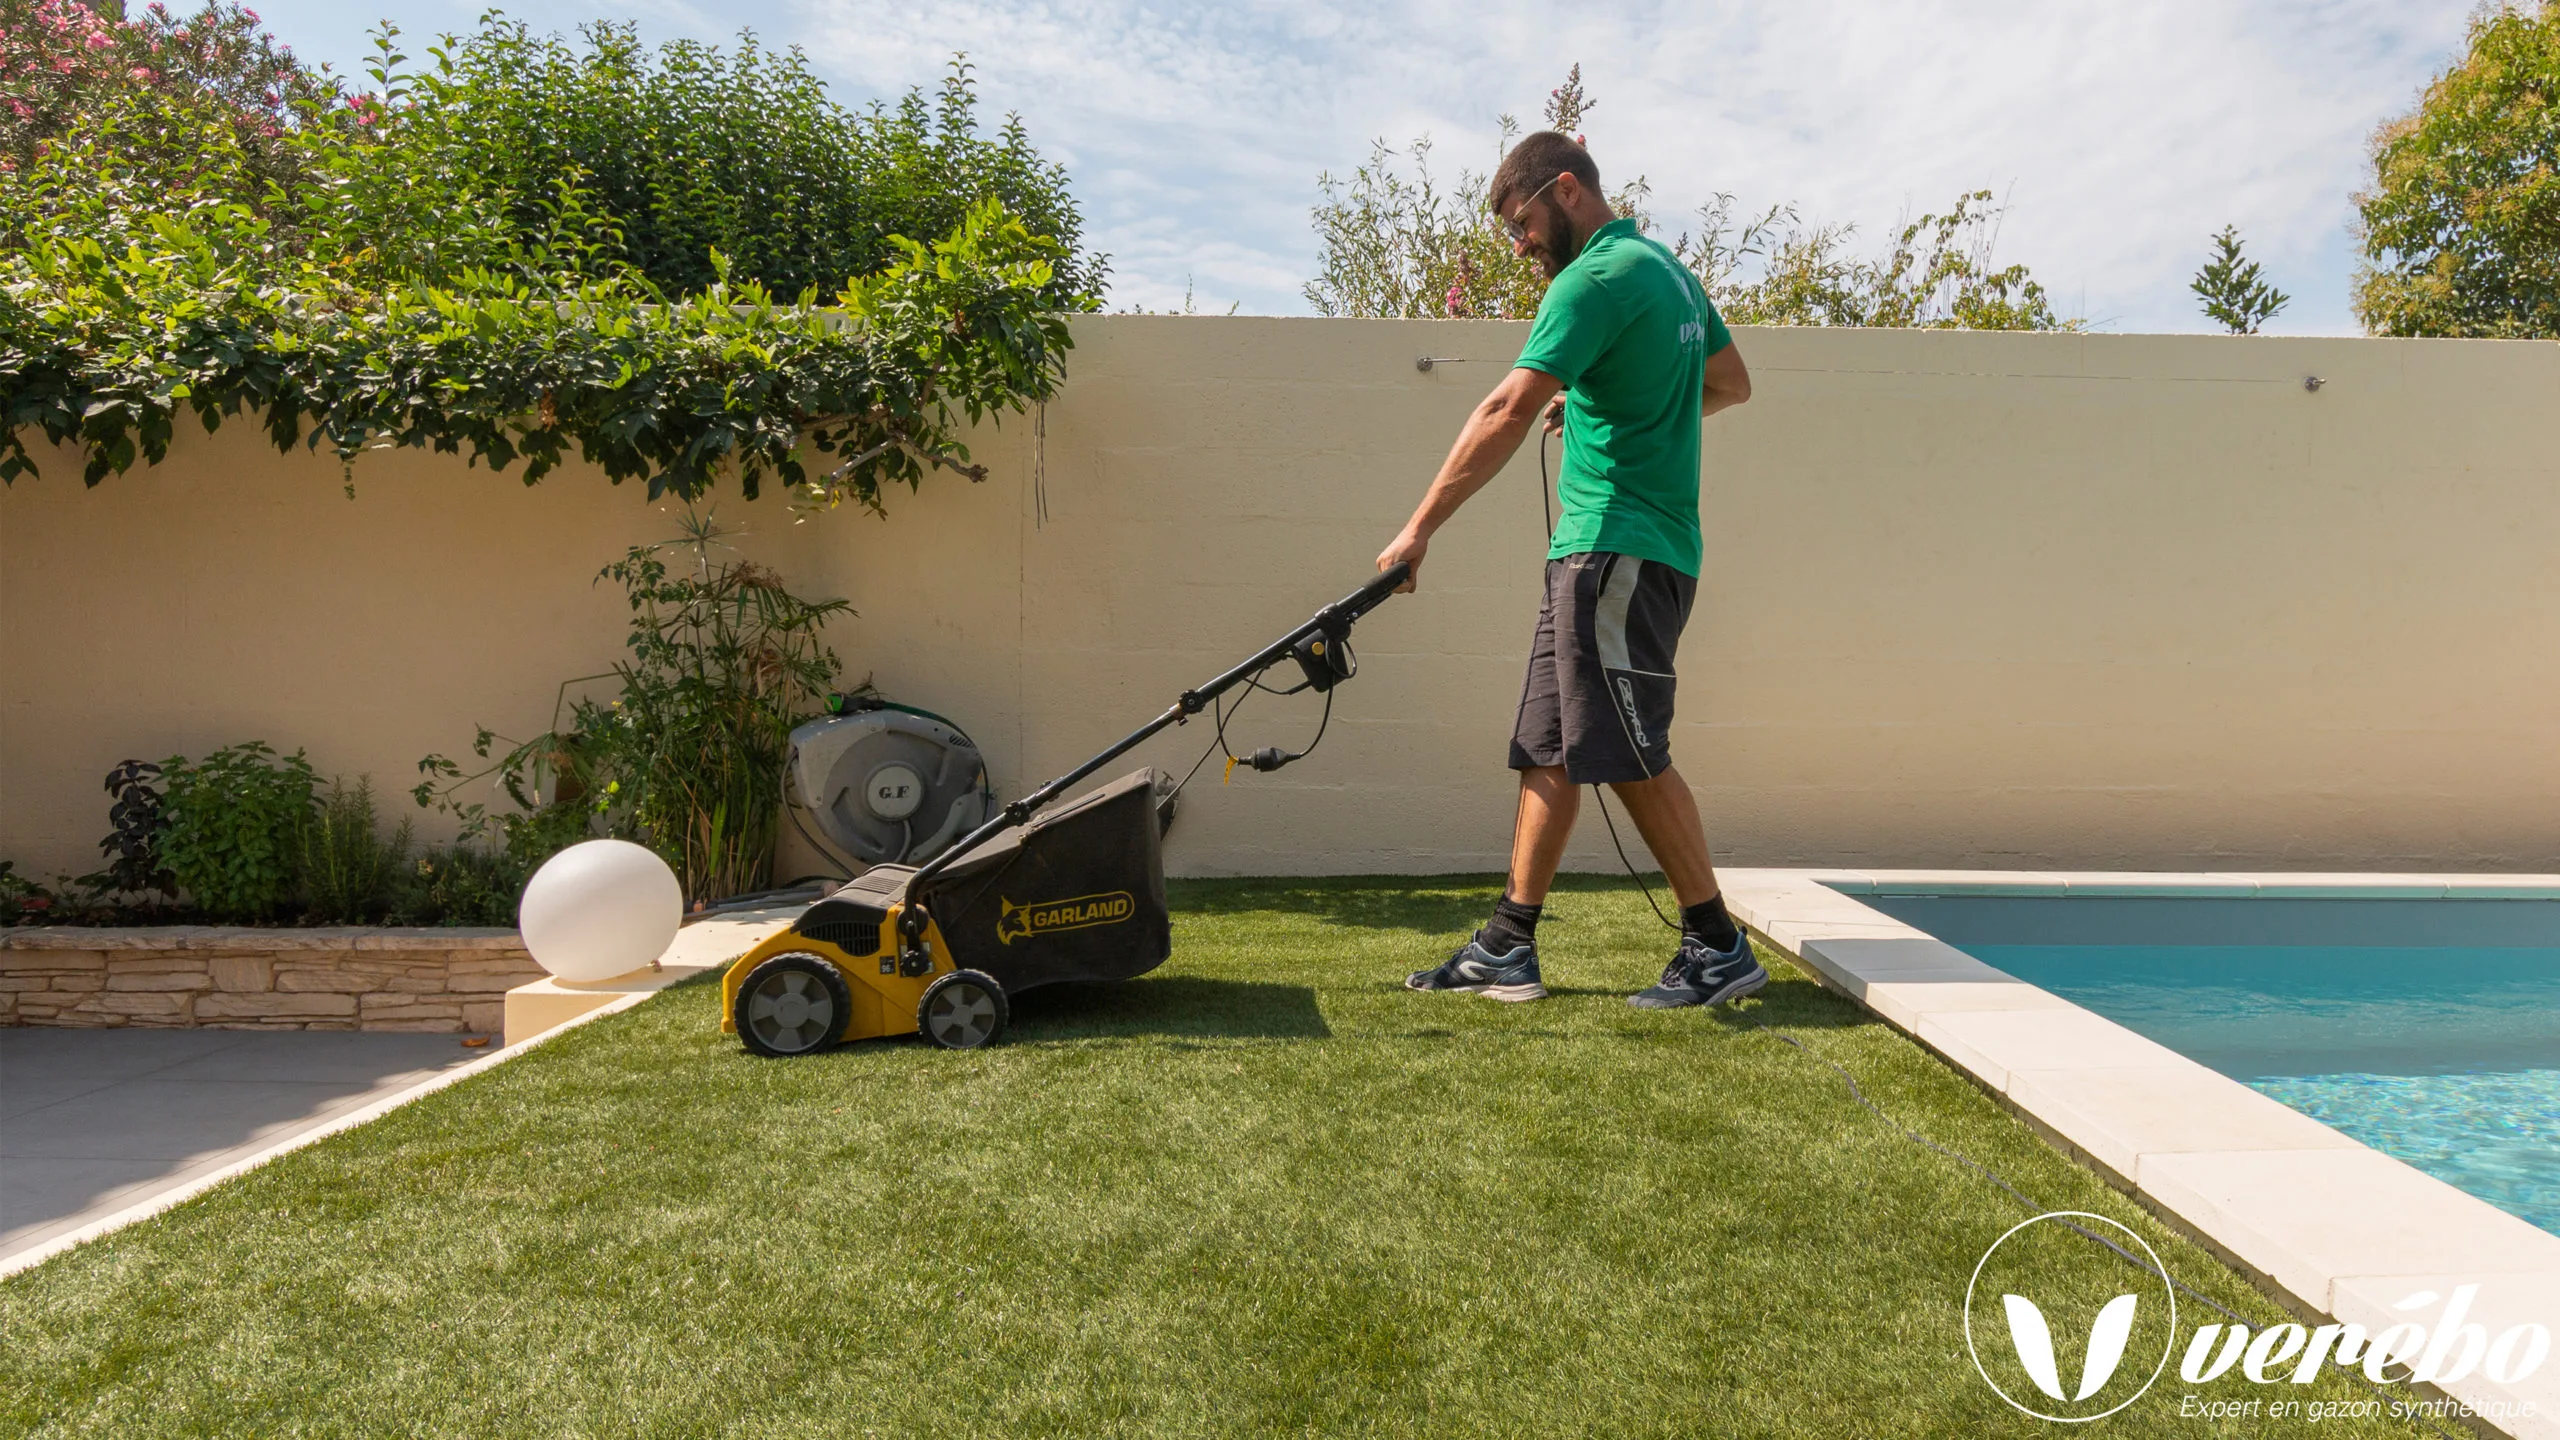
{"points": [[1034, 896]]}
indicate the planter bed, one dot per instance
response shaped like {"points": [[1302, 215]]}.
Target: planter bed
{"points": [[451, 981]]}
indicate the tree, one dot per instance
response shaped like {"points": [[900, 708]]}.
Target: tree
{"points": [[1405, 248], [2234, 291], [687, 149], [1936, 275], [2461, 222], [1399, 246]]}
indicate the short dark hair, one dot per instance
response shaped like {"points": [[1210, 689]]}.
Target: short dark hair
{"points": [[1537, 160]]}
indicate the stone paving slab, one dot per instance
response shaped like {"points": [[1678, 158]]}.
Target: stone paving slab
{"points": [[1994, 1044], [2307, 1218], [1904, 1001], [97, 1120], [1858, 961], [2118, 1116]]}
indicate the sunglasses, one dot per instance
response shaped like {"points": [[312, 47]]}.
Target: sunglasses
{"points": [[1512, 226]]}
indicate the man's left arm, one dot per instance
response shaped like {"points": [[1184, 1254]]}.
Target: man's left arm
{"points": [[1728, 381]]}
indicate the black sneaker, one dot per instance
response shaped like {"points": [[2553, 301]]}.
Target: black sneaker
{"points": [[1475, 970], [1700, 976]]}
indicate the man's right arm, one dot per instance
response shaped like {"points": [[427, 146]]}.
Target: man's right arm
{"points": [[1728, 381], [1487, 443]]}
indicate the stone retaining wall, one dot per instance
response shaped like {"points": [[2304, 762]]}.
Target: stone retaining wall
{"points": [[436, 980]]}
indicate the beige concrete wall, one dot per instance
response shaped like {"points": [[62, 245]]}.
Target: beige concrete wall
{"points": [[1971, 599], [233, 594]]}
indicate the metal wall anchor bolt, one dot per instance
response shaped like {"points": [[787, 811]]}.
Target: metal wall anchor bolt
{"points": [[2313, 383], [1424, 363]]}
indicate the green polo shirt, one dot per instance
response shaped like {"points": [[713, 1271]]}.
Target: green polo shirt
{"points": [[1628, 330]]}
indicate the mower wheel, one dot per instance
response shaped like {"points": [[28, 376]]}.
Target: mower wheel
{"points": [[792, 1004], [962, 1011]]}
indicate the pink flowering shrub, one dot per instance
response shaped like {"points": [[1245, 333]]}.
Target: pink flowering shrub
{"points": [[63, 63]]}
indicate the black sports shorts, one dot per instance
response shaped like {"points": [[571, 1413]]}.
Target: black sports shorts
{"points": [[1598, 697]]}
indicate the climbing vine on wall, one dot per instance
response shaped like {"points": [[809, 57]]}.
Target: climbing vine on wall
{"points": [[246, 243]]}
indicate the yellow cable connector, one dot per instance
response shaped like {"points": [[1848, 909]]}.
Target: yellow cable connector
{"points": [[1231, 770]]}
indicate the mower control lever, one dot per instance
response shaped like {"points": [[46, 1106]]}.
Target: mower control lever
{"points": [[1326, 660]]}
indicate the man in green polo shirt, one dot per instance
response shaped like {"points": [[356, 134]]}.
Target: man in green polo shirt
{"points": [[1641, 357]]}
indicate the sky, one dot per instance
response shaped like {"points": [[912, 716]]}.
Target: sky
{"points": [[2120, 137]]}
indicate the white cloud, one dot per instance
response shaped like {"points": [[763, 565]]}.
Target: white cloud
{"points": [[2122, 135]]}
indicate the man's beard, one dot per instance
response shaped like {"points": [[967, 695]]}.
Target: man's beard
{"points": [[1560, 225]]}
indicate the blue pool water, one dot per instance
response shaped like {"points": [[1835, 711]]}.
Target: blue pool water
{"points": [[2446, 1055]]}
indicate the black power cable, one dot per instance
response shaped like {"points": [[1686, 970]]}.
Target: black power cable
{"points": [[1218, 741], [1546, 506], [1268, 758]]}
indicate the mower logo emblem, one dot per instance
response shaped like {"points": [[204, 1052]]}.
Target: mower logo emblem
{"points": [[1021, 922]]}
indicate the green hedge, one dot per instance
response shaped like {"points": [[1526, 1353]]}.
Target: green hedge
{"points": [[403, 267]]}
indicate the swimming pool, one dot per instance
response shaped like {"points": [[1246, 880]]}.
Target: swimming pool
{"points": [[2427, 1029]]}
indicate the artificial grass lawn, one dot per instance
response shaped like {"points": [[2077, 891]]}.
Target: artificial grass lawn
{"points": [[1262, 1190]]}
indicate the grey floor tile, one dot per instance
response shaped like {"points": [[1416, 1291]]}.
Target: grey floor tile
{"points": [[41, 1052], [341, 1056], [158, 1119], [21, 1093], [92, 1121], [39, 1197]]}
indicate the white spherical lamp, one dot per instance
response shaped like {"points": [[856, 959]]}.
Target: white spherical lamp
{"points": [[600, 908]]}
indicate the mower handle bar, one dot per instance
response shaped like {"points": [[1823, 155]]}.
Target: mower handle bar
{"points": [[1334, 620]]}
